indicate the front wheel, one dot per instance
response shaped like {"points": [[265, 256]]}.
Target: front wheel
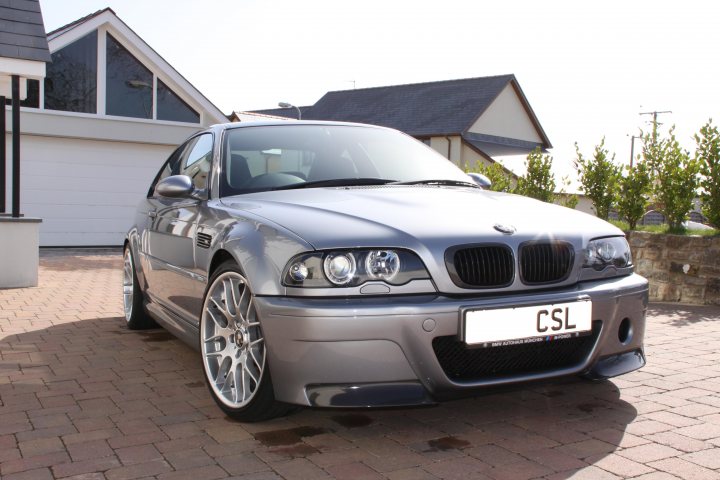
{"points": [[234, 351], [133, 299]]}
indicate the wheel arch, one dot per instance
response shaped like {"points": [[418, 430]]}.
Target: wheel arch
{"points": [[219, 257]]}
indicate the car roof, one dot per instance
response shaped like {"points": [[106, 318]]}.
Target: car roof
{"points": [[265, 123]]}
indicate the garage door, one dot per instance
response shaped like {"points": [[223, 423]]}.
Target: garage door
{"points": [[85, 191]]}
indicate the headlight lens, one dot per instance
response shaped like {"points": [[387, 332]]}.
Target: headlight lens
{"points": [[340, 268], [350, 268], [382, 264], [603, 252]]}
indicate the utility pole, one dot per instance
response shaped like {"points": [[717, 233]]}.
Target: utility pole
{"points": [[632, 148], [655, 121]]}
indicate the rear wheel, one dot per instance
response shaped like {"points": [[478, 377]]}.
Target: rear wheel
{"points": [[233, 349], [133, 299]]}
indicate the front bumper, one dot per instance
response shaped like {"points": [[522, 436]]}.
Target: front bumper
{"points": [[378, 351]]}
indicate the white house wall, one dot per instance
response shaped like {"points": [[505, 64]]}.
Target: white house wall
{"points": [[440, 145], [506, 117], [84, 190]]}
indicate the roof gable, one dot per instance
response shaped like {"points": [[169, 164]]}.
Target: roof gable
{"points": [[421, 109], [107, 19], [22, 32], [508, 117]]}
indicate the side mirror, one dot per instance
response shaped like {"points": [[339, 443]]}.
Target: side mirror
{"points": [[482, 181], [175, 186]]}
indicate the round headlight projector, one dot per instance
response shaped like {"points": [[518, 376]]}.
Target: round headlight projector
{"points": [[298, 272], [340, 268], [382, 264]]}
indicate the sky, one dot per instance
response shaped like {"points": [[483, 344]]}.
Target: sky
{"points": [[588, 69]]}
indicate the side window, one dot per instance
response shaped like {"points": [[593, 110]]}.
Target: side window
{"points": [[197, 161], [171, 167]]}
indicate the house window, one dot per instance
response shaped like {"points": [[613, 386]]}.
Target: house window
{"points": [[171, 107], [71, 78], [129, 84]]}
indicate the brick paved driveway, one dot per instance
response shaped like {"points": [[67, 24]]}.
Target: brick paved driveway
{"points": [[82, 397]]}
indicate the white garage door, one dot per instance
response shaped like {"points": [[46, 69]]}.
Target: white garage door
{"points": [[85, 191]]}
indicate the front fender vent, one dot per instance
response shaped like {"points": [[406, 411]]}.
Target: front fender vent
{"points": [[204, 240]]}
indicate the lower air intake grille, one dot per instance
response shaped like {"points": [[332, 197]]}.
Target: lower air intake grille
{"points": [[462, 363], [544, 262]]}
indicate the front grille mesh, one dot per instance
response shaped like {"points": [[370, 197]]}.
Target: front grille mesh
{"points": [[545, 262], [459, 362], [483, 266]]}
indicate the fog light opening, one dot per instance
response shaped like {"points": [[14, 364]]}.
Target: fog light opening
{"points": [[625, 331]]}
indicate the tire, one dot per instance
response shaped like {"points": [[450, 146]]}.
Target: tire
{"points": [[233, 349], [133, 298]]}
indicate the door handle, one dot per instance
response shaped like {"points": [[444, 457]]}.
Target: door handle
{"points": [[152, 214]]}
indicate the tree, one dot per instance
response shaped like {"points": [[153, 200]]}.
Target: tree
{"points": [[707, 155], [676, 182], [569, 200], [599, 177], [538, 181], [634, 193], [502, 180]]}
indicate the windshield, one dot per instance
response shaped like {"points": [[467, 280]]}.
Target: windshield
{"points": [[305, 156]]}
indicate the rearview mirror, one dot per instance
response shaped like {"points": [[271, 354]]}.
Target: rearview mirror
{"points": [[175, 186], [481, 180]]}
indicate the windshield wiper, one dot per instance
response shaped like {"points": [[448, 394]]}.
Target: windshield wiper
{"points": [[453, 183], [336, 182]]}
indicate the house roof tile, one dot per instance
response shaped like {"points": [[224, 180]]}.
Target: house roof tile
{"points": [[22, 32]]}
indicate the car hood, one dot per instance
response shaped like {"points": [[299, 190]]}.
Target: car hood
{"points": [[416, 216]]}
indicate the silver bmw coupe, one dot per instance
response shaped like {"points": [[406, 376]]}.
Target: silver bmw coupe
{"points": [[346, 265]]}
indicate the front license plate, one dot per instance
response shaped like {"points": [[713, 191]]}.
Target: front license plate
{"points": [[511, 326]]}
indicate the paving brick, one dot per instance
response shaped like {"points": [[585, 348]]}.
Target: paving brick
{"points": [[37, 474], [84, 467], [353, 471], [138, 470], [32, 463], [684, 469], [138, 454], [649, 452], [709, 458], [299, 469], [208, 472]]}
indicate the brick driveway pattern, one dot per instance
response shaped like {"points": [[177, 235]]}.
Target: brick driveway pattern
{"points": [[82, 397]]}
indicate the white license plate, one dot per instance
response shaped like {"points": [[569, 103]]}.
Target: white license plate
{"points": [[511, 326]]}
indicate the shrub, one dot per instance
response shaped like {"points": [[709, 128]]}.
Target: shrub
{"points": [[707, 155], [676, 181], [502, 180], [599, 177], [538, 181]]}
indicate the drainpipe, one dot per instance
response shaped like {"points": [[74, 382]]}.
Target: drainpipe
{"points": [[449, 140]]}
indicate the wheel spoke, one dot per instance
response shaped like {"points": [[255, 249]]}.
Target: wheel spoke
{"points": [[228, 294], [250, 374]]}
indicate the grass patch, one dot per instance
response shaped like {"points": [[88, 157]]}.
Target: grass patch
{"points": [[664, 229]]}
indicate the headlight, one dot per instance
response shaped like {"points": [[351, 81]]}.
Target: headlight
{"points": [[340, 268], [350, 268], [603, 252]]}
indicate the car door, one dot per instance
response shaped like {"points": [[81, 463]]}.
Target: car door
{"points": [[172, 226]]}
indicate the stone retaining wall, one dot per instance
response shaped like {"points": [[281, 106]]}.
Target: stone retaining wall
{"points": [[680, 268]]}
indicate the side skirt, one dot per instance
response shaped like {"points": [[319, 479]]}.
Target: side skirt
{"points": [[182, 329]]}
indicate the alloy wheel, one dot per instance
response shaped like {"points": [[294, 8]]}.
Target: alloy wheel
{"points": [[232, 342], [128, 285]]}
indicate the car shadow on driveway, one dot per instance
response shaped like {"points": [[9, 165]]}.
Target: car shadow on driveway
{"points": [[91, 396]]}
